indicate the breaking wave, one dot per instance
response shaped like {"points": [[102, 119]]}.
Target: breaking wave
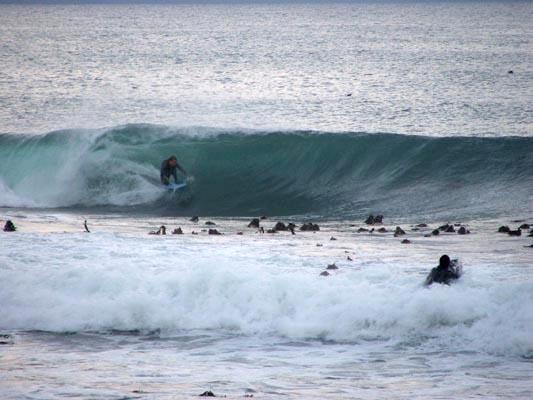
{"points": [[337, 175], [239, 296]]}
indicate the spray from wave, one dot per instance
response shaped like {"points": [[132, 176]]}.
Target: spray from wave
{"points": [[376, 304], [338, 175]]}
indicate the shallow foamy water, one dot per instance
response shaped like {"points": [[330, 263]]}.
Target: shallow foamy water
{"points": [[118, 313]]}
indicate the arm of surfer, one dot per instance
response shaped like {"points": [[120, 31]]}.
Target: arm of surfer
{"points": [[163, 177], [178, 165], [429, 279]]}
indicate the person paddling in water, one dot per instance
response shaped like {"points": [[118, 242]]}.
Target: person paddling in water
{"points": [[447, 272], [169, 168]]}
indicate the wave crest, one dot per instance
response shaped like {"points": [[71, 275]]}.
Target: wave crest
{"points": [[278, 173]]}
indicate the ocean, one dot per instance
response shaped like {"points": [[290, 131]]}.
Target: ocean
{"points": [[294, 112]]}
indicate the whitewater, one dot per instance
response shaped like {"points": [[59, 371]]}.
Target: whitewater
{"points": [[118, 312], [294, 113]]}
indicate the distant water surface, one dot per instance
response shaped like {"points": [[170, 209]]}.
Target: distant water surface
{"points": [[436, 68]]}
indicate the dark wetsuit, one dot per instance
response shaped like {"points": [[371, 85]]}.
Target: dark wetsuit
{"points": [[442, 275], [167, 171]]}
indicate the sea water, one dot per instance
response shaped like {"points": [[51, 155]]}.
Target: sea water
{"points": [[437, 68], [299, 112], [118, 313]]}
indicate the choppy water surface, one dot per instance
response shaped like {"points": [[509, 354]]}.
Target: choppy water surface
{"points": [[432, 68], [117, 311], [323, 112]]}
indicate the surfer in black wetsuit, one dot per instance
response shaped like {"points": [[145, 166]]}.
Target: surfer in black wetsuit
{"points": [[444, 273], [169, 168]]}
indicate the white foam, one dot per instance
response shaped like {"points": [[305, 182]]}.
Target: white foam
{"points": [[73, 172], [101, 282], [8, 198]]}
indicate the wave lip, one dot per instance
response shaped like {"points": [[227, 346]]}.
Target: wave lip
{"points": [[339, 175]]}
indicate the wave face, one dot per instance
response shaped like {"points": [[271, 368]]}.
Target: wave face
{"points": [[338, 175]]}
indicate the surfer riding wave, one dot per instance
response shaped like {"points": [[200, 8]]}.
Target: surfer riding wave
{"points": [[169, 168]]}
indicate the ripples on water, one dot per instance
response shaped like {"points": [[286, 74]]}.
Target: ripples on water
{"points": [[433, 68], [117, 314]]}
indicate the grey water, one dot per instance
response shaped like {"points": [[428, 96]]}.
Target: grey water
{"points": [[431, 68], [434, 100]]}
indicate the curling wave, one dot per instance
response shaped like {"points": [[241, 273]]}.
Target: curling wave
{"points": [[336, 175]]}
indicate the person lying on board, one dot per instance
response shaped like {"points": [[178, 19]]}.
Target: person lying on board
{"points": [[445, 273], [169, 168]]}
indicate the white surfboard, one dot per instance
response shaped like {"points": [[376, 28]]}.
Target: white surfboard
{"points": [[173, 187]]}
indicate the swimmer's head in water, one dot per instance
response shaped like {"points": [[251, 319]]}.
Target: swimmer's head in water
{"points": [[172, 161], [444, 261]]}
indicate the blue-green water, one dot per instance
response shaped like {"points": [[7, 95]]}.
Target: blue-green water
{"points": [[322, 112], [327, 175]]}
